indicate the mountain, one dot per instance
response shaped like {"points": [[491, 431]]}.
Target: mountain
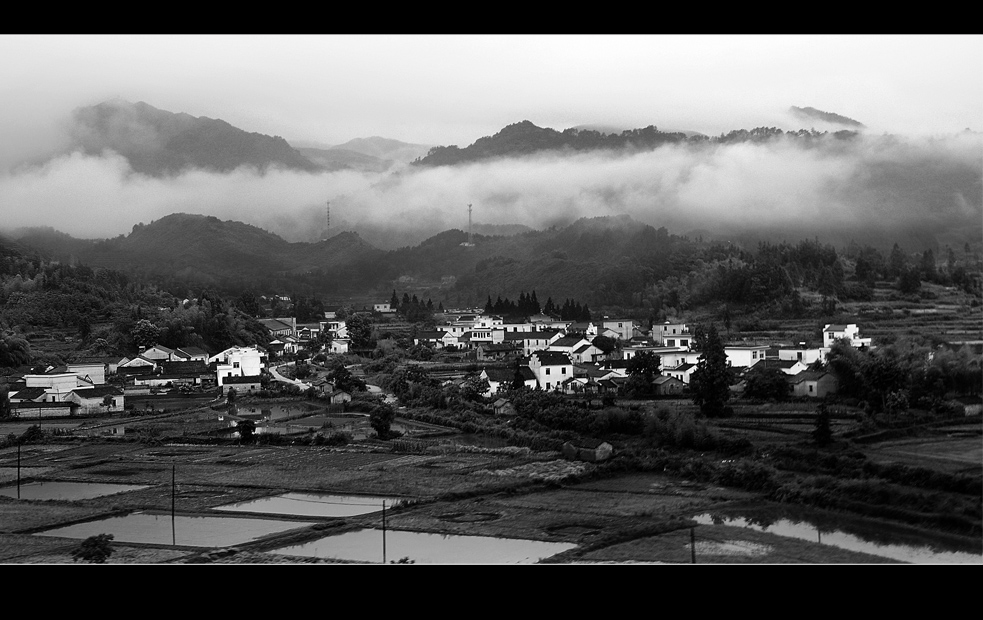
{"points": [[812, 114], [204, 250], [160, 143], [385, 148], [612, 129], [342, 159], [525, 138]]}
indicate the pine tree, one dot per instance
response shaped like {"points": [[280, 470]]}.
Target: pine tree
{"points": [[711, 379]]}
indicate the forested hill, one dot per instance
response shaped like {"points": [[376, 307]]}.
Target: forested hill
{"points": [[160, 143], [602, 261], [525, 138], [187, 249]]}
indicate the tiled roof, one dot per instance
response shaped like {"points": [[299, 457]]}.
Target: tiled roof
{"points": [[97, 392], [806, 375], [29, 393], [243, 379], [567, 341], [552, 358]]}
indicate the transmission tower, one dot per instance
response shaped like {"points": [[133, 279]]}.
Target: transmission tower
{"points": [[470, 242]]}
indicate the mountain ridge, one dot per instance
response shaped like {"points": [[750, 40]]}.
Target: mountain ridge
{"points": [[161, 143]]}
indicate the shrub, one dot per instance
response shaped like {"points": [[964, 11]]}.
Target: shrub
{"points": [[94, 549]]}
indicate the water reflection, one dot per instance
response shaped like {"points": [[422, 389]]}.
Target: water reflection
{"points": [[159, 529], [68, 491], [422, 548], [314, 505], [805, 530]]}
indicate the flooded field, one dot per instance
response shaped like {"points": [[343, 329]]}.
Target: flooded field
{"points": [[67, 491], [314, 505], [189, 531], [805, 530], [374, 545]]}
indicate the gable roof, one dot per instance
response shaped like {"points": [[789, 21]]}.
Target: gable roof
{"points": [[507, 375], [98, 392], [567, 341], [29, 393], [552, 358], [806, 375]]}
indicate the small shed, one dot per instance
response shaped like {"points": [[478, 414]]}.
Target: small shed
{"points": [[665, 385], [592, 450], [503, 407]]}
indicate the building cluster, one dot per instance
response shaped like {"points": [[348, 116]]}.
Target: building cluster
{"points": [[563, 356], [290, 336]]}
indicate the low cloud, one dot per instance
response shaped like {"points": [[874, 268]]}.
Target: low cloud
{"points": [[868, 185]]}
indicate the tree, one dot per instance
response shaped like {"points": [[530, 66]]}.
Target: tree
{"points": [[909, 281], [94, 549], [766, 384], [4, 403], [646, 365], [711, 379], [822, 434], [145, 333], [605, 343], [14, 351], [381, 418], [474, 387], [247, 431], [342, 379], [359, 330]]}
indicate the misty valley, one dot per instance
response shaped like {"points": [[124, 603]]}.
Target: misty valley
{"points": [[646, 346]]}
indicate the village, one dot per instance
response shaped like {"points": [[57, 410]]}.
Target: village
{"points": [[549, 354]]}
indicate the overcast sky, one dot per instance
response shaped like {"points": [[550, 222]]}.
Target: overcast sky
{"points": [[443, 89]]}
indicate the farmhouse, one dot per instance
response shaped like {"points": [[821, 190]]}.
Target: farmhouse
{"points": [[242, 383], [106, 399], [743, 356], [277, 328], [551, 368], [503, 378], [814, 384], [849, 332], [667, 386]]}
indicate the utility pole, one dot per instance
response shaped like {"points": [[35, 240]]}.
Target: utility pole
{"points": [[173, 495]]}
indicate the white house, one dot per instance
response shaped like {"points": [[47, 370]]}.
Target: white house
{"points": [[683, 372], [502, 378], [56, 385], [745, 356], [804, 355], [551, 369], [675, 331], [159, 352], [95, 373], [850, 332], [237, 362], [624, 328]]}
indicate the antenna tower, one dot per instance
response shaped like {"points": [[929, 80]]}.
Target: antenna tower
{"points": [[470, 242], [327, 221]]}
